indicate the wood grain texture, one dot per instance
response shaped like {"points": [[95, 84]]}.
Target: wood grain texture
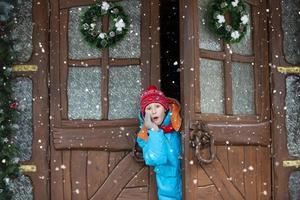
{"points": [[221, 180], [141, 179], [250, 174], [66, 169], [236, 167], [114, 159], [208, 193], [222, 155], [139, 193], [79, 174], [89, 138], [202, 178], [117, 179], [97, 170]]}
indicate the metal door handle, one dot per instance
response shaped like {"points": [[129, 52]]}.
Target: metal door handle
{"points": [[200, 138]]}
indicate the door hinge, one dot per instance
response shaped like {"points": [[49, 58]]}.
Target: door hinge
{"points": [[291, 163], [289, 70], [24, 68], [28, 168]]}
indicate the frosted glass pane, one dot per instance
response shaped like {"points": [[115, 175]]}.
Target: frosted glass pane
{"points": [[294, 185], [291, 30], [124, 92], [22, 188], [292, 101], [22, 32], [130, 46], [207, 39], [22, 93], [212, 92], [244, 47], [84, 93], [242, 88], [78, 47]]}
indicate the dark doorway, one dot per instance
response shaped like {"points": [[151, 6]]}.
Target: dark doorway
{"points": [[169, 48]]}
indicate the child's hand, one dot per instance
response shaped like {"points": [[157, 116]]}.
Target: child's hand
{"points": [[148, 122]]}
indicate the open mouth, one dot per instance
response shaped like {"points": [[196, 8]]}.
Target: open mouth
{"points": [[155, 118]]}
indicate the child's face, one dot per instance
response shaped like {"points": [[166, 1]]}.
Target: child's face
{"points": [[157, 113]]}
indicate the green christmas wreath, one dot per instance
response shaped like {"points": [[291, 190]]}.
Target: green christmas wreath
{"points": [[118, 30], [9, 151], [230, 32]]}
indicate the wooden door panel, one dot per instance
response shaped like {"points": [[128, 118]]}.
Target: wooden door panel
{"points": [[239, 173], [97, 170], [236, 167], [242, 167], [90, 158], [220, 179], [118, 178], [102, 175], [78, 170], [209, 192], [133, 194]]}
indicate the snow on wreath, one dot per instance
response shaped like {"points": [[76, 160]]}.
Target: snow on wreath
{"points": [[93, 35], [229, 19]]}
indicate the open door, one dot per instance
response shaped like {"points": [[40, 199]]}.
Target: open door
{"points": [[94, 100], [285, 72], [226, 88]]}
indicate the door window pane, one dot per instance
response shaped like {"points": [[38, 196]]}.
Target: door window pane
{"points": [[22, 93], [84, 93], [211, 86], [294, 185], [78, 47], [22, 32], [130, 46], [292, 101], [244, 47], [242, 88], [124, 92], [207, 39], [291, 30]]}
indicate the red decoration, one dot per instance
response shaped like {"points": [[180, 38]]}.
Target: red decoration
{"points": [[14, 105]]}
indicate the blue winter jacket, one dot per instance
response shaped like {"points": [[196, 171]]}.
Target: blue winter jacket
{"points": [[163, 152]]}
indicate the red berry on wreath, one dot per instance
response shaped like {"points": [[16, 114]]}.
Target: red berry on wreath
{"points": [[14, 105]]}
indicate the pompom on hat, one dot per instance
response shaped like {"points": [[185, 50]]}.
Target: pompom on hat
{"points": [[153, 95]]}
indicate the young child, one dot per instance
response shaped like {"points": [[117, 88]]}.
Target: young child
{"points": [[161, 142]]}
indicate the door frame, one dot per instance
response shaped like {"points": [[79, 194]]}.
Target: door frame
{"points": [[36, 69], [280, 70]]}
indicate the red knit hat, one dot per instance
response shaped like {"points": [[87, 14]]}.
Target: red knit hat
{"points": [[153, 95]]}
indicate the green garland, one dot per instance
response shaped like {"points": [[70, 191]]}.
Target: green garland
{"points": [[117, 31], [234, 32], [9, 153]]}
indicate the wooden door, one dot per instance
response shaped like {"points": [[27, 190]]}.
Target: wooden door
{"points": [[94, 104], [226, 87], [285, 72]]}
